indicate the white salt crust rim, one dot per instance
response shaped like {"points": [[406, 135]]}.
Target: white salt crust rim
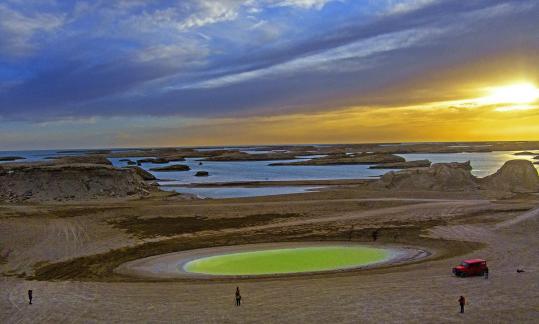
{"points": [[171, 265]]}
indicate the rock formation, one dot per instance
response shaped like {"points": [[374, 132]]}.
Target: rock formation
{"points": [[202, 174], [514, 176], [172, 168], [525, 153], [342, 159], [86, 159], [172, 154], [403, 165], [161, 160], [60, 182], [11, 158], [143, 173], [242, 156], [439, 177]]}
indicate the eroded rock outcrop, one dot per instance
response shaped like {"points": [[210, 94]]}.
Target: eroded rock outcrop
{"points": [[86, 159], [61, 182], [525, 153], [343, 159], [242, 156], [439, 177], [161, 160], [10, 158], [143, 173], [172, 154], [172, 168], [514, 176], [403, 165]]}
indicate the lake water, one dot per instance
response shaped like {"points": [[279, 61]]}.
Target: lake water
{"points": [[256, 171], [235, 192]]}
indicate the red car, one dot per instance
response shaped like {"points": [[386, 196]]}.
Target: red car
{"points": [[472, 267]]}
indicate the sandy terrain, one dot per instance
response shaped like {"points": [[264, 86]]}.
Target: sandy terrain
{"points": [[454, 224]]}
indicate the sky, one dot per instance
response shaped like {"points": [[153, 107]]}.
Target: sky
{"points": [[134, 73]]}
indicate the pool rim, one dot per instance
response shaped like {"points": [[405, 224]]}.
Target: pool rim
{"points": [[400, 254]]}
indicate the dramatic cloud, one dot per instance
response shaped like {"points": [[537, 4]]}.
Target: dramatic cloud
{"points": [[399, 7], [318, 4], [207, 60], [20, 33]]}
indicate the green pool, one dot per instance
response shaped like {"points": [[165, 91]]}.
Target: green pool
{"points": [[287, 260]]}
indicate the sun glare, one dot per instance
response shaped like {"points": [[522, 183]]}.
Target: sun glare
{"points": [[522, 93]]}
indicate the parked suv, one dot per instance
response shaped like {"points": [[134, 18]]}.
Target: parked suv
{"points": [[472, 267]]}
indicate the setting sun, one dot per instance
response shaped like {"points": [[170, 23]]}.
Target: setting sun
{"points": [[521, 93]]}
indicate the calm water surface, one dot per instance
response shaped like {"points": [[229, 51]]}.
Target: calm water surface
{"points": [[235, 192], [257, 171]]}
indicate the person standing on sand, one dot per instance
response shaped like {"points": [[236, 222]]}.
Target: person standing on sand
{"points": [[238, 296], [374, 236], [462, 302], [30, 296]]}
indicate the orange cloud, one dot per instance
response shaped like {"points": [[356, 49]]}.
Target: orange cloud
{"points": [[374, 124]]}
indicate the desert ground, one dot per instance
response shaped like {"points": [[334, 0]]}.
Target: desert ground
{"points": [[66, 227], [66, 253]]}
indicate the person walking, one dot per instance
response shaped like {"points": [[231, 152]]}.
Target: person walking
{"points": [[30, 296], [238, 296], [462, 302]]}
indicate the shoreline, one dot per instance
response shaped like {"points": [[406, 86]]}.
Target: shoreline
{"points": [[276, 183]]}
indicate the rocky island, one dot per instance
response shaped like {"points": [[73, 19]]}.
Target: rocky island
{"points": [[525, 153], [403, 165], [343, 159], [242, 156], [11, 158], [172, 168], [515, 176]]}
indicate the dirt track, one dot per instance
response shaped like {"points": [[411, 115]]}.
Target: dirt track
{"points": [[423, 292]]}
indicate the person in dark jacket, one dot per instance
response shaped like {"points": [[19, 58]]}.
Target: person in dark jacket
{"points": [[238, 296], [375, 235], [462, 302], [486, 273], [30, 296]]}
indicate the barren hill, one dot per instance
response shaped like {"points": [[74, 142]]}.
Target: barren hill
{"points": [[59, 182], [515, 176]]}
